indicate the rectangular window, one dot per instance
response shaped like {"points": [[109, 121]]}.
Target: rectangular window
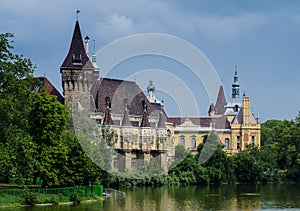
{"points": [[182, 140], [253, 140], [193, 142], [238, 141]]}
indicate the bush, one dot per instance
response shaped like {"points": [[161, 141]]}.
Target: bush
{"points": [[77, 196], [29, 198]]}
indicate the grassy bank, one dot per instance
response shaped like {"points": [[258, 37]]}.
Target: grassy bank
{"points": [[49, 196]]}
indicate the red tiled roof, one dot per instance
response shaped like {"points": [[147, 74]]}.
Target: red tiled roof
{"points": [[50, 89]]}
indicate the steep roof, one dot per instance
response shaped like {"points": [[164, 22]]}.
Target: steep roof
{"points": [[77, 57], [107, 117], [118, 90], [238, 119], [162, 121], [211, 108], [125, 121], [216, 122], [221, 101], [145, 121], [50, 89]]}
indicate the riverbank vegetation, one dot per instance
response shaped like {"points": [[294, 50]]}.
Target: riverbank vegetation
{"points": [[38, 143]]}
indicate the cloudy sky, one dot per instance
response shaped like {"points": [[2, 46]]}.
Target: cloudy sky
{"points": [[261, 36]]}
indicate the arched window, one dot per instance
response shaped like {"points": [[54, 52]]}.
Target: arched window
{"points": [[236, 108], [193, 141], [182, 140], [108, 102], [227, 143]]}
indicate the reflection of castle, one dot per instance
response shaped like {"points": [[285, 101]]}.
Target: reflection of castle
{"points": [[143, 131]]}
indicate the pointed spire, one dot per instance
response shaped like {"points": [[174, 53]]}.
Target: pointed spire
{"points": [[94, 62], [107, 117], [125, 120], [145, 121], [162, 118], [77, 57], [235, 85], [221, 102], [211, 110]]}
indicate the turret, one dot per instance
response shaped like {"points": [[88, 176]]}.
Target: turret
{"points": [[77, 73]]}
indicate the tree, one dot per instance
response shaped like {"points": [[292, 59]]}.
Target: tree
{"points": [[16, 85], [48, 120]]}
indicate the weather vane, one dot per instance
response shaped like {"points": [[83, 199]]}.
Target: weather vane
{"points": [[77, 13]]}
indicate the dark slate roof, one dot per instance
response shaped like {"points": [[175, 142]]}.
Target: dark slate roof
{"points": [[216, 122], [221, 101], [211, 108], [77, 57], [117, 91], [238, 119], [50, 89], [145, 121], [125, 121], [162, 121], [107, 117]]}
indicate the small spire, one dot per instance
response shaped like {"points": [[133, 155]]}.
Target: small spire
{"points": [[77, 14], [221, 102], [125, 120], [94, 62], [235, 85], [258, 118], [107, 117], [145, 121]]}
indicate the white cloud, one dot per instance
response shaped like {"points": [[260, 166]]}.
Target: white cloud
{"points": [[115, 26]]}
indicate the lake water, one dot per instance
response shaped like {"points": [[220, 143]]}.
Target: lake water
{"points": [[225, 197]]}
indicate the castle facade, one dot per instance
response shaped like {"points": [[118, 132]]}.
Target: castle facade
{"points": [[142, 129]]}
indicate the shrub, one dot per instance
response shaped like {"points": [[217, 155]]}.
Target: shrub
{"points": [[77, 196], [29, 198]]}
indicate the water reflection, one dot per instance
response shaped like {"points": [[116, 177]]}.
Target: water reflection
{"points": [[225, 197]]}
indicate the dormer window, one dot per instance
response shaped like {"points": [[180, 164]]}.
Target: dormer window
{"points": [[77, 59]]}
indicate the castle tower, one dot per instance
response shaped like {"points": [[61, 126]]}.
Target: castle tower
{"points": [[235, 85], [77, 72]]}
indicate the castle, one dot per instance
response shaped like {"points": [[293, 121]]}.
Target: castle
{"points": [[142, 129]]}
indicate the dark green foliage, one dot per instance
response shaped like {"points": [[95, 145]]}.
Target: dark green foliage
{"points": [[34, 140], [29, 198], [77, 196]]}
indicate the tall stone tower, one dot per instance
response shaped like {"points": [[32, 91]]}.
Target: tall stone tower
{"points": [[77, 73]]}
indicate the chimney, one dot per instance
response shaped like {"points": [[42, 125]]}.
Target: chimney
{"points": [[246, 110], [87, 40]]}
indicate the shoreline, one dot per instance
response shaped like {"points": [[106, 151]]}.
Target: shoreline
{"points": [[51, 204]]}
